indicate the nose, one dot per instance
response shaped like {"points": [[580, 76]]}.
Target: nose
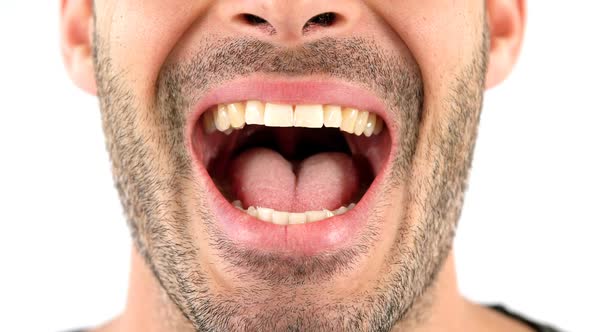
{"points": [[290, 21]]}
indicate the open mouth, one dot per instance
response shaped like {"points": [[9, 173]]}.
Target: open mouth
{"points": [[279, 164]]}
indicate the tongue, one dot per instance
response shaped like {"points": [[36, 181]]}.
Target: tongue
{"points": [[263, 178]]}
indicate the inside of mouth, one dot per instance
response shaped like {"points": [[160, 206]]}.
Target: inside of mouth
{"points": [[290, 169]]}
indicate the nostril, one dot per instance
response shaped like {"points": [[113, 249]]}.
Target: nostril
{"points": [[256, 22], [321, 21], [253, 19], [324, 20]]}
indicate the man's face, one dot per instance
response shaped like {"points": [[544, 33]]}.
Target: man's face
{"points": [[178, 79]]}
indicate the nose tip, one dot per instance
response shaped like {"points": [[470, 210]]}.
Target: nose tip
{"points": [[282, 20]]}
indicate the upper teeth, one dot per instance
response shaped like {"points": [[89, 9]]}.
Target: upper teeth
{"points": [[227, 117]]}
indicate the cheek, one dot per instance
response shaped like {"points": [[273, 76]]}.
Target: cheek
{"points": [[141, 34], [441, 35]]}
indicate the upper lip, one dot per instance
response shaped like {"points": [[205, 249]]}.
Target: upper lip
{"points": [[290, 91]]}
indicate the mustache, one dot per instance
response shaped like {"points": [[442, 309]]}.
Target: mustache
{"points": [[358, 60]]}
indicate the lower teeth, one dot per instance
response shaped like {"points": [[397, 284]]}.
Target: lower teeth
{"points": [[291, 218]]}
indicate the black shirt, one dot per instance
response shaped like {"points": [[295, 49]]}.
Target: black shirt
{"points": [[537, 327]]}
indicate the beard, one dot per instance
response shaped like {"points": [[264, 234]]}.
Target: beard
{"points": [[162, 197]]}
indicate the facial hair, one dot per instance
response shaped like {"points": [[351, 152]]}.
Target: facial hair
{"points": [[153, 174]]}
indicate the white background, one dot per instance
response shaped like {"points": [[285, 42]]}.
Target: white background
{"points": [[523, 238]]}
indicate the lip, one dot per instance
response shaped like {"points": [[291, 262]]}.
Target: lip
{"points": [[308, 239]]}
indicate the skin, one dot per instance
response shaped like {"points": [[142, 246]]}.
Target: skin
{"points": [[149, 61]]}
